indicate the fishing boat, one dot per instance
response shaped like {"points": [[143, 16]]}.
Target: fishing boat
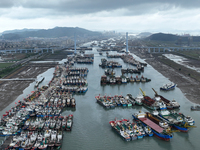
{"points": [[69, 123], [64, 122], [142, 79], [148, 131], [39, 80], [139, 99], [118, 80], [37, 144], [112, 80], [139, 130], [132, 79], [137, 79], [73, 102], [157, 119], [59, 138], [103, 80], [178, 120], [13, 142], [109, 72], [53, 138], [158, 131], [117, 126], [149, 102], [128, 126], [196, 107], [168, 86], [43, 144], [124, 79], [131, 99], [169, 104]]}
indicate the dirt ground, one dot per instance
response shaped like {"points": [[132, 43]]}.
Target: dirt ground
{"points": [[10, 90], [188, 85]]}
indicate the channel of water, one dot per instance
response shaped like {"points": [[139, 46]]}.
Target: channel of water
{"points": [[91, 128]]}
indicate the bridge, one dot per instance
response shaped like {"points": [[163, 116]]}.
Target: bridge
{"points": [[19, 79], [169, 49], [32, 50]]}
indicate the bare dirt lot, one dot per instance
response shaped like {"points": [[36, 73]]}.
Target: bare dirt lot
{"points": [[10, 90]]}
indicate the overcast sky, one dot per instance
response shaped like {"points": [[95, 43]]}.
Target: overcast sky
{"points": [[98, 15]]}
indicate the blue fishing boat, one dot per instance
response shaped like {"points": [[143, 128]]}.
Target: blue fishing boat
{"points": [[164, 134], [178, 120], [168, 86]]}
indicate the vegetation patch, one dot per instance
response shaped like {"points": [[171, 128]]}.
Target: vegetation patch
{"points": [[4, 65], [8, 70]]}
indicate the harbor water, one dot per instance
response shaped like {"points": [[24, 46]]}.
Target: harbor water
{"points": [[91, 128]]}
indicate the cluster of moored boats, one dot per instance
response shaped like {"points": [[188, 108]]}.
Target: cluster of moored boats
{"points": [[129, 70], [69, 79], [156, 103], [36, 122], [160, 124], [112, 79], [85, 59], [130, 60], [109, 64]]}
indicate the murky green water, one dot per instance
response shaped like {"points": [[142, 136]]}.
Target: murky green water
{"points": [[91, 128]]}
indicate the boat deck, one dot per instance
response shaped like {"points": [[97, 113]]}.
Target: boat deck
{"points": [[153, 125], [171, 119]]}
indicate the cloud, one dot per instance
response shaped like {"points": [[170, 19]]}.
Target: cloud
{"points": [[101, 14], [78, 7]]}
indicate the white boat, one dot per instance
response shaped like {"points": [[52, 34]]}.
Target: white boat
{"points": [[168, 86], [138, 99], [124, 80], [47, 133], [59, 138]]}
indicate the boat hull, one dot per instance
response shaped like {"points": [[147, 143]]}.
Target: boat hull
{"points": [[161, 136], [182, 129]]}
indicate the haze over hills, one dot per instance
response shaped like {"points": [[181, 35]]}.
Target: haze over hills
{"points": [[171, 37], [144, 34], [49, 33]]}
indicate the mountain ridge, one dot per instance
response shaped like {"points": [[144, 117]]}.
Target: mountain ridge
{"points": [[51, 33]]}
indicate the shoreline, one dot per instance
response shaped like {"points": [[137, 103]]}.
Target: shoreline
{"points": [[188, 86], [10, 90]]}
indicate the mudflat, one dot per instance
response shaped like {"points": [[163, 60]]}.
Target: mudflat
{"points": [[10, 90], [188, 80]]}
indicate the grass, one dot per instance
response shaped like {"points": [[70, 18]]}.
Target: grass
{"points": [[7, 71], [4, 65], [193, 54]]}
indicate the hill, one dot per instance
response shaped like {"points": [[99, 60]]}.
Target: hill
{"points": [[18, 30], [171, 37], [52, 33], [162, 37], [144, 34]]}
